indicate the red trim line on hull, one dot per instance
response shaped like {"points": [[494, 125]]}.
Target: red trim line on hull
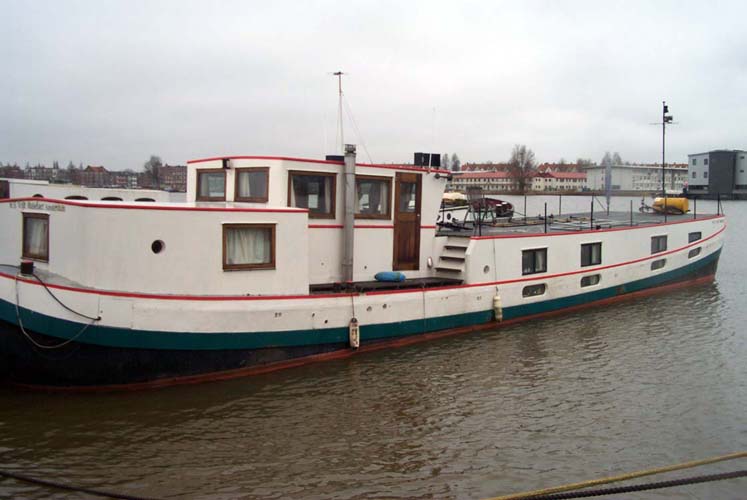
{"points": [[334, 295], [387, 344]]}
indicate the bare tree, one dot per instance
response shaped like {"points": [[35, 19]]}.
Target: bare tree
{"points": [[521, 166], [456, 163], [445, 161], [153, 170]]}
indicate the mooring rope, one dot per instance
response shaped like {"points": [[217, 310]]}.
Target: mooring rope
{"points": [[43, 346], [642, 487], [543, 493], [68, 487]]}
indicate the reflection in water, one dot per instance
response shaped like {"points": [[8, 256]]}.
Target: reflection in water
{"points": [[603, 391]]}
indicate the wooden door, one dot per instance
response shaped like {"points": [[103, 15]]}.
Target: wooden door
{"points": [[407, 191]]}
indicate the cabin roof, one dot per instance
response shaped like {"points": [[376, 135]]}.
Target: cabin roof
{"points": [[324, 162]]}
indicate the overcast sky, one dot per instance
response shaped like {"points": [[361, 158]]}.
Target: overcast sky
{"points": [[112, 82]]}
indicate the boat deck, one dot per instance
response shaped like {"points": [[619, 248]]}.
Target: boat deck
{"points": [[585, 221], [376, 286]]}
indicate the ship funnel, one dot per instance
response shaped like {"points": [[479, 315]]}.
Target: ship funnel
{"points": [[348, 244]]}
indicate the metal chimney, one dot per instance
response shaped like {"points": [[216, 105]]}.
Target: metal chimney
{"points": [[348, 244]]}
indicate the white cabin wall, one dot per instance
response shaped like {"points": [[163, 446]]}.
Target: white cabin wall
{"points": [[564, 251], [110, 249]]}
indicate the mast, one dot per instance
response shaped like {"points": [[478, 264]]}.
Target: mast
{"points": [[665, 118], [339, 74]]}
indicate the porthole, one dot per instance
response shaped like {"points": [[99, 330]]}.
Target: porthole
{"points": [[591, 280], [486, 269], [534, 290], [157, 246], [658, 264]]}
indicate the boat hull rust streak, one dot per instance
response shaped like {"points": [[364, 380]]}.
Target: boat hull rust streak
{"points": [[89, 367]]}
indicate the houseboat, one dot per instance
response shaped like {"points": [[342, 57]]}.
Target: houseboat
{"points": [[273, 262]]}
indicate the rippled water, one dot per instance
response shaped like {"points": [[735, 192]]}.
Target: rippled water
{"points": [[604, 391]]}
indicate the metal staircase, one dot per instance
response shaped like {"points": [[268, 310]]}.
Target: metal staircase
{"points": [[451, 262]]}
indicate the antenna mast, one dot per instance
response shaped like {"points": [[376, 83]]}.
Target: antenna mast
{"points": [[665, 118], [339, 74]]}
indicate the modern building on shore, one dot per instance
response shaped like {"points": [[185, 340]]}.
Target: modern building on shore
{"points": [[720, 172], [643, 178]]}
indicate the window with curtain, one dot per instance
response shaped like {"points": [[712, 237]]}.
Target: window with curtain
{"points": [[252, 184], [534, 261], [36, 236], [591, 254], [372, 200], [658, 244], [315, 191], [248, 246], [211, 185]]}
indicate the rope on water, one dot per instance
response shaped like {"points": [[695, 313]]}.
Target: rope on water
{"points": [[543, 493], [68, 487], [642, 487]]}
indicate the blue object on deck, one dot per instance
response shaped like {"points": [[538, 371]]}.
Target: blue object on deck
{"points": [[390, 276]]}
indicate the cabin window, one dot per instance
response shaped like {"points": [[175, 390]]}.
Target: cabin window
{"points": [[693, 253], [694, 236], [252, 184], [534, 261], [592, 279], [111, 198], [75, 197], [36, 236], [658, 244], [248, 246], [4, 189], [591, 254], [534, 290], [211, 185], [312, 190], [145, 199], [658, 264], [373, 197]]}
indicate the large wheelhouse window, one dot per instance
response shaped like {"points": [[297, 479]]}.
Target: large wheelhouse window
{"points": [[248, 246], [313, 190], [211, 185], [252, 184], [372, 197], [36, 237]]}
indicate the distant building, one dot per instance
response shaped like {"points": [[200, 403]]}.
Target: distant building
{"points": [[91, 176], [718, 172], [641, 177], [559, 181], [12, 172], [490, 182], [173, 178]]}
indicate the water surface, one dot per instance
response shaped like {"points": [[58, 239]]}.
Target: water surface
{"points": [[608, 390]]}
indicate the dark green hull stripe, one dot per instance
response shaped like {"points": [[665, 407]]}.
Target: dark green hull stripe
{"points": [[143, 339]]}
